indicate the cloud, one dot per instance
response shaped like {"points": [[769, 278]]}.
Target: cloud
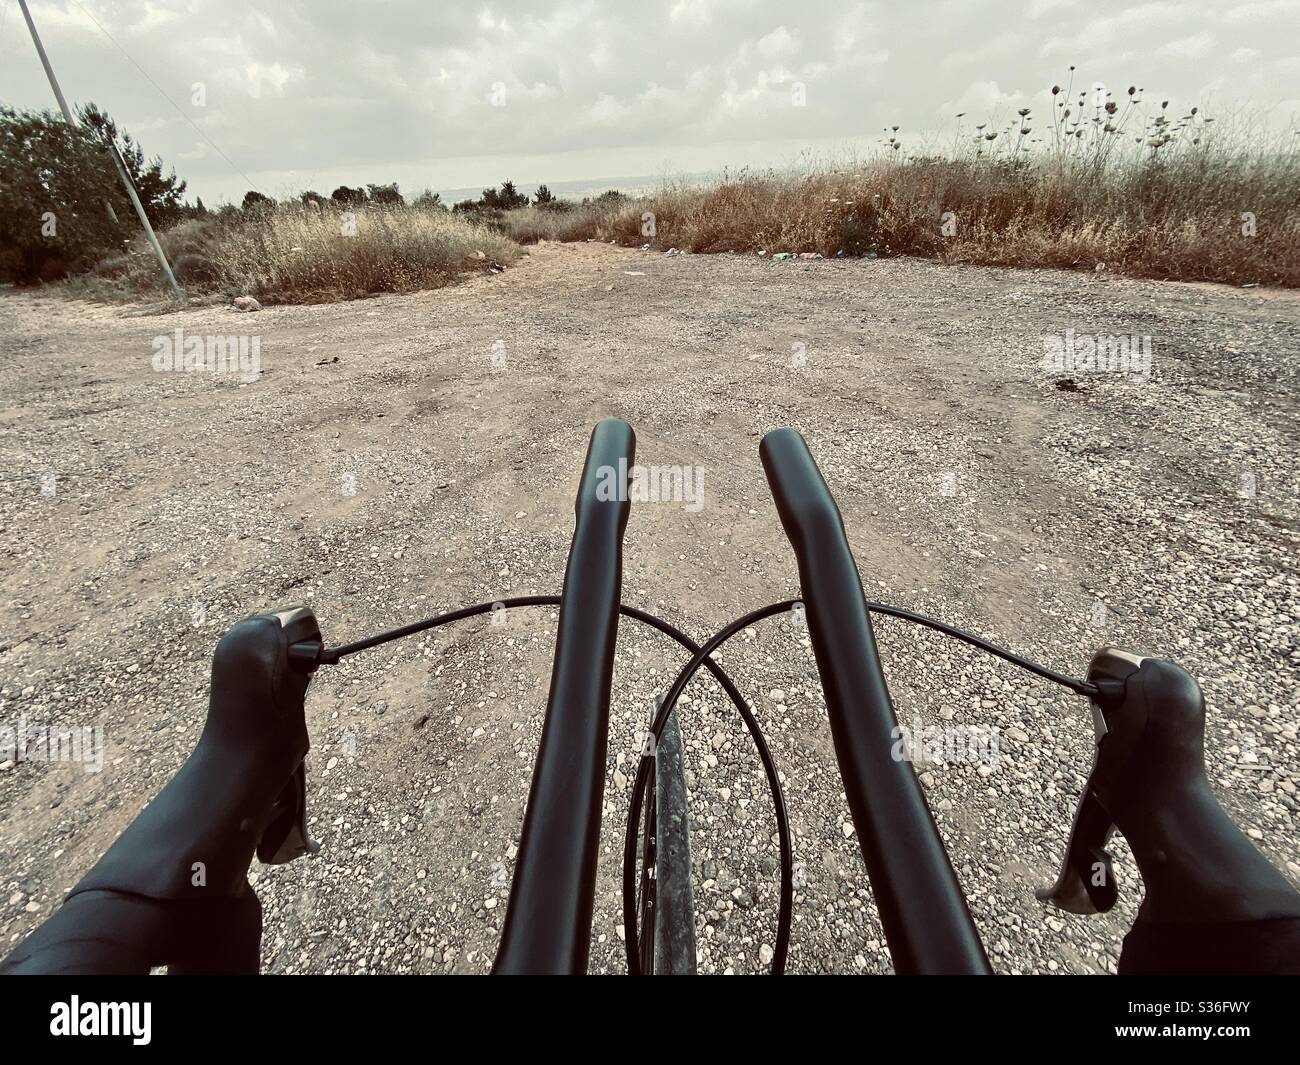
{"points": [[986, 53], [694, 12], [325, 86], [1265, 11], [983, 98], [1039, 8], [1198, 46], [259, 78]]}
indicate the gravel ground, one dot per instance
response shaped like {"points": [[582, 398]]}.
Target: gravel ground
{"points": [[407, 454]]}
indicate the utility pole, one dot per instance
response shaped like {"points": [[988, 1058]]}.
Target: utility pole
{"points": [[112, 148]]}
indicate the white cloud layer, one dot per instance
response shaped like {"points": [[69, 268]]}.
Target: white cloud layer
{"points": [[314, 91]]}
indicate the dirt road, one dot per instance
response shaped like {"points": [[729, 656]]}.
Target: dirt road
{"points": [[407, 454]]}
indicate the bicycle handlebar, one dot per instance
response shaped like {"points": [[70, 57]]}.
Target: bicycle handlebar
{"points": [[924, 914], [548, 921]]}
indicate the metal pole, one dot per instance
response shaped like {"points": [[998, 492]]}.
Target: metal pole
{"points": [[112, 149]]}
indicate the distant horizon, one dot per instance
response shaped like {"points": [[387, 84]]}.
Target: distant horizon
{"points": [[570, 174], [630, 184]]}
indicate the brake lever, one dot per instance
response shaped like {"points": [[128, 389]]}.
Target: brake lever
{"points": [[1086, 882]]}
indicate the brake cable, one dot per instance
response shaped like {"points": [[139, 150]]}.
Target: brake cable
{"points": [[666, 706], [331, 655], [1079, 687], [311, 655]]}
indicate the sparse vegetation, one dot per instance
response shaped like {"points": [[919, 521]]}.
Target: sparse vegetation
{"points": [[1098, 183], [62, 206], [301, 252], [1111, 184], [348, 197], [1203, 216], [555, 219]]}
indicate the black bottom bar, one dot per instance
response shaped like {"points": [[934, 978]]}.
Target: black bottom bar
{"points": [[1031, 1015]]}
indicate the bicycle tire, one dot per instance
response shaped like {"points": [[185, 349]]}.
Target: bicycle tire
{"points": [[674, 911]]}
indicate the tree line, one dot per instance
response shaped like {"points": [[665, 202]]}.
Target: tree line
{"points": [[63, 208]]}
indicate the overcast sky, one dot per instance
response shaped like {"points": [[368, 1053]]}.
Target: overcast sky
{"points": [[314, 93]]}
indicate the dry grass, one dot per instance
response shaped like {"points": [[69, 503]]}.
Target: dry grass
{"points": [[528, 225], [1147, 213], [301, 254], [1104, 180]]}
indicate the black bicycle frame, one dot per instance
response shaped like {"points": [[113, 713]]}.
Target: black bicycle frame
{"points": [[922, 909], [548, 921]]}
